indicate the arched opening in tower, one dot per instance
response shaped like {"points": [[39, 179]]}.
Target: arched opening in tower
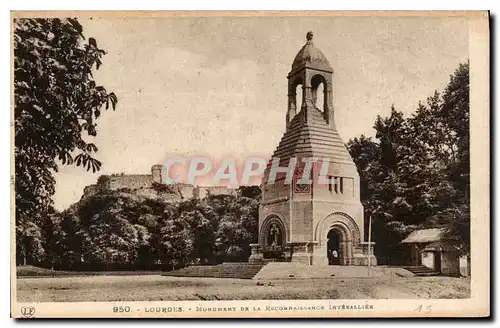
{"points": [[333, 247], [319, 92]]}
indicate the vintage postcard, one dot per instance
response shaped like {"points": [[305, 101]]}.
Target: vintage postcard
{"points": [[250, 164]]}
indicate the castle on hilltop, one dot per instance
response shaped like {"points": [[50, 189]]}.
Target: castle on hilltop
{"points": [[152, 186]]}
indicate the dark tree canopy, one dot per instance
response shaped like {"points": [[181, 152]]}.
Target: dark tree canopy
{"points": [[57, 103], [118, 230], [416, 175], [250, 192]]}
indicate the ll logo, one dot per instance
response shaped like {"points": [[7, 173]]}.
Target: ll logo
{"points": [[28, 311]]}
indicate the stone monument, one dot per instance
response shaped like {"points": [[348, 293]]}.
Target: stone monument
{"points": [[316, 224]]}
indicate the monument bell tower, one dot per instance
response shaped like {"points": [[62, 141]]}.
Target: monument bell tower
{"points": [[309, 69], [313, 223]]}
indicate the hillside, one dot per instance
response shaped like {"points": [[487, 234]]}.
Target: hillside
{"points": [[123, 230]]}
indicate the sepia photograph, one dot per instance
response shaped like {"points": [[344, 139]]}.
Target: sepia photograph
{"points": [[287, 163]]}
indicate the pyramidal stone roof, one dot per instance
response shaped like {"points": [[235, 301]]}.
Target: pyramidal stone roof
{"points": [[314, 138]]}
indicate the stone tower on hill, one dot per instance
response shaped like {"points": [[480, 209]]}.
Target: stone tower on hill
{"points": [[318, 223]]}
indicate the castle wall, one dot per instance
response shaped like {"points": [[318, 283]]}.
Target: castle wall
{"points": [[151, 193], [203, 191], [182, 192], [186, 191], [91, 190], [156, 173], [130, 181]]}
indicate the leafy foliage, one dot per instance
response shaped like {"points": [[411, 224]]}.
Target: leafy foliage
{"points": [[116, 230], [417, 174], [57, 103], [250, 192]]}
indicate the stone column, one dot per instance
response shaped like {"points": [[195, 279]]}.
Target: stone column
{"points": [[314, 96], [348, 252], [343, 252], [292, 107], [328, 102], [307, 103]]}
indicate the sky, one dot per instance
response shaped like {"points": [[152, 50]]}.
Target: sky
{"points": [[217, 85]]}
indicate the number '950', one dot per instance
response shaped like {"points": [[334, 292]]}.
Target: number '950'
{"points": [[121, 309]]}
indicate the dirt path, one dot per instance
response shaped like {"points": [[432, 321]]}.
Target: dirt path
{"points": [[158, 288]]}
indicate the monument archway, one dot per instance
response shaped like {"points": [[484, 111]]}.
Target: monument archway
{"points": [[337, 245], [336, 232], [319, 91]]}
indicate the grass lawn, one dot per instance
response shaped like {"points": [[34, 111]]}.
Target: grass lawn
{"points": [[29, 271], [162, 288]]}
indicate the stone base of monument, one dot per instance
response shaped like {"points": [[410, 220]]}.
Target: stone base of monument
{"points": [[302, 258], [308, 253], [294, 270], [302, 252], [362, 253], [362, 259], [256, 256]]}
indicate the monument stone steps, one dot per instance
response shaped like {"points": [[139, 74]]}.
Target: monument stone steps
{"points": [[236, 270], [291, 270], [422, 271]]}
